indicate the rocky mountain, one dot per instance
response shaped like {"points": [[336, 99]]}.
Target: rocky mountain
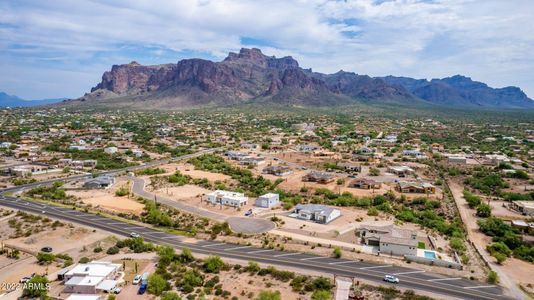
{"points": [[463, 91], [251, 76], [14, 101]]}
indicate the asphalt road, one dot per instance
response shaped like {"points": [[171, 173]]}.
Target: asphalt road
{"points": [[409, 277]]}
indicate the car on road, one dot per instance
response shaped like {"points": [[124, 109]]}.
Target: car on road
{"points": [[391, 279], [134, 235], [47, 249], [136, 279], [25, 279]]}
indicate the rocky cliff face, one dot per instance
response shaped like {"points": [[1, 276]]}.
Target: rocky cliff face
{"points": [[252, 76]]}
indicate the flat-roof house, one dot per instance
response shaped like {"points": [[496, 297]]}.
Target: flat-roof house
{"points": [[315, 212], [415, 187], [111, 150], [365, 183], [400, 171], [319, 177], [91, 277], [252, 161], [227, 198], [365, 157], [390, 239], [100, 182], [235, 155], [84, 297], [461, 160], [277, 170], [268, 200], [523, 207], [351, 167]]}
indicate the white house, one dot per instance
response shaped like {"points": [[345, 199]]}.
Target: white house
{"points": [[227, 198], [315, 212], [268, 200], [91, 277], [111, 150]]}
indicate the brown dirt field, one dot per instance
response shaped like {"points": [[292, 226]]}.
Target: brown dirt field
{"points": [[106, 199]]}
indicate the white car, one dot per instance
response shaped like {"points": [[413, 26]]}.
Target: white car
{"points": [[136, 279], [134, 235], [391, 278], [116, 290]]}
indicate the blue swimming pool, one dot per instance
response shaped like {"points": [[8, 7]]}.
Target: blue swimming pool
{"points": [[430, 255]]}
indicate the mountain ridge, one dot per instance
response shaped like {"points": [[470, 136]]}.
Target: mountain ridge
{"points": [[251, 76], [7, 100]]}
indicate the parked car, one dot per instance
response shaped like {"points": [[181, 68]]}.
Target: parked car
{"points": [[116, 290], [136, 279], [134, 235], [25, 279], [391, 278], [46, 249]]}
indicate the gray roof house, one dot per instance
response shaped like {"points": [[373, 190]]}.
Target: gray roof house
{"points": [[390, 239], [100, 182]]}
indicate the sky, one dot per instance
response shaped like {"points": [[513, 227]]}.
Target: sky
{"points": [[60, 48]]}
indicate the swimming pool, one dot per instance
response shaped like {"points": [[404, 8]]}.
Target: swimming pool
{"points": [[430, 254]]}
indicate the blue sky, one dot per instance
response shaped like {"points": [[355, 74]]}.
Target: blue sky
{"points": [[61, 48]]}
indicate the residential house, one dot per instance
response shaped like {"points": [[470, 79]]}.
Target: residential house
{"points": [[234, 155], [90, 278], [523, 207], [252, 161], [415, 187], [227, 198], [111, 150], [268, 200], [315, 212], [350, 167], [100, 182], [400, 171], [389, 239], [460, 160], [365, 183], [277, 170], [319, 177]]}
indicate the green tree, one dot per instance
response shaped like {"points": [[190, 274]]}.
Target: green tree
{"points": [[45, 258], [213, 264], [157, 284], [186, 255], [37, 287], [337, 252], [269, 295], [321, 295], [483, 210], [493, 277], [170, 296], [111, 297]]}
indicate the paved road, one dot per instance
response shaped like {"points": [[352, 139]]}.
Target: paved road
{"points": [[237, 224], [409, 277]]}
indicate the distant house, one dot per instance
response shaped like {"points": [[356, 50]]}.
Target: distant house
{"points": [[523, 207], [350, 167], [111, 150], [414, 153], [307, 148], [100, 182], [365, 157], [234, 155], [252, 161], [277, 170], [365, 183], [227, 198], [390, 239], [314, 212], [319, 177], [268, 200], [400, 171], [248, 145], [415, 187], [461, 160], [366, 150]]}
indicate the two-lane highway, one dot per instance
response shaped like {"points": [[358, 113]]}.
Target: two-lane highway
{"points": [[409, 277]]}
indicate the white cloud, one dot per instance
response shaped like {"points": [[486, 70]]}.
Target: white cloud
{"points": [[489, 40]]}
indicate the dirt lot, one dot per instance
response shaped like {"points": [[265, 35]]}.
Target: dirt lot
{"points": [[107, 200]]}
